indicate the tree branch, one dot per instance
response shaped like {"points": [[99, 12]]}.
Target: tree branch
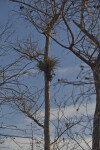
{"points": [[90, 36]]}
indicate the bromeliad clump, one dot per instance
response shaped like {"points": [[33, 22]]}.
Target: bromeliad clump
{"points": [[48, 66]]}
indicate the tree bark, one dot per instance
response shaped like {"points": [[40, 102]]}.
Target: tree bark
{"points": [[47, 101], [96, 121]]}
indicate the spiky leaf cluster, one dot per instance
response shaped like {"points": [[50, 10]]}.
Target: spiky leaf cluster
{"points": [[47, 65]]}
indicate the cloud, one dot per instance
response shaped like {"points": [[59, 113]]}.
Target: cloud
{"points": [[71, 111], [68, 112], [67, 70], [25, 144], [70, 144], [12, 144]]}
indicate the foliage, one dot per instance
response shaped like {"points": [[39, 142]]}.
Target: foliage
{"points": [[47, 65]]}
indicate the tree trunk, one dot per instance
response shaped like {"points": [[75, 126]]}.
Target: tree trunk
{"points": [[96, 122], [47, 101], [47, 115]]}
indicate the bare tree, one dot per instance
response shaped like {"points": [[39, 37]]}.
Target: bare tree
{"points": [[46, 16], [84, 16]]}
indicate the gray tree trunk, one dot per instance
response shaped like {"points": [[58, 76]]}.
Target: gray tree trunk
{"points": [[47, 101], [96, 122]]}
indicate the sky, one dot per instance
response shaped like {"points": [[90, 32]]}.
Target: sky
{"points": [[67, 69]]}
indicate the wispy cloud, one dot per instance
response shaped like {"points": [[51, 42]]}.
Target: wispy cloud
{"points": [[67, 70], [15, 143], [72, 111], [24, 144], [69, 111]]}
